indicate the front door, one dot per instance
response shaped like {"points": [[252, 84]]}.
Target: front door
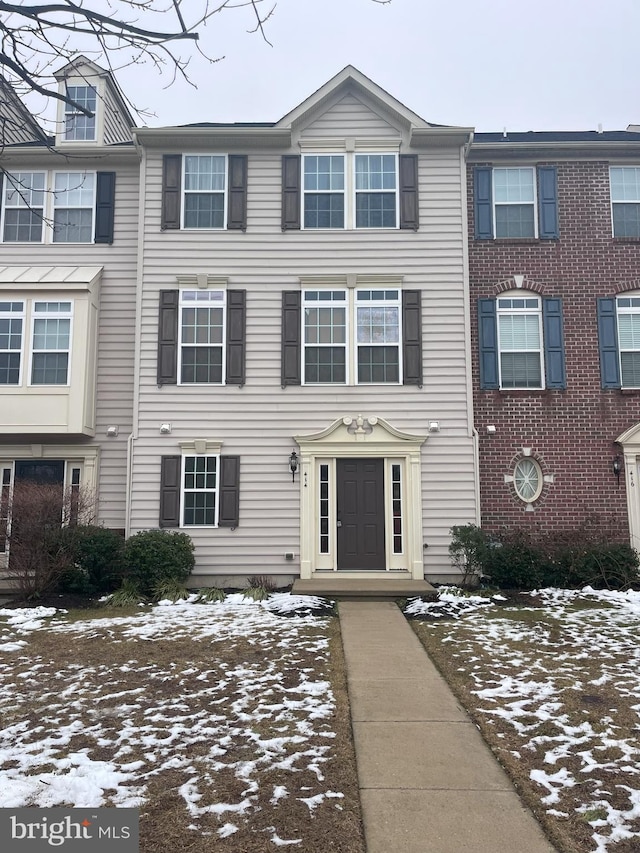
{"points": [[360, 513]]}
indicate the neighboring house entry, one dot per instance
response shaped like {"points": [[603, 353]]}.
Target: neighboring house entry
{"points": [[360, 514]]}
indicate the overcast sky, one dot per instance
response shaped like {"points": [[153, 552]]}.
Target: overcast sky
{"points": [[548, 64]]}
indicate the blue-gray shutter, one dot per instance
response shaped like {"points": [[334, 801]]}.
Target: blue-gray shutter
{"points": [[290, 192], [553, 343], [105, 206], [237, 193], [291, 366], [229, 511], [608, 340], [548, 203], [488, 342], [483, 202], [408, 167], [170, 471]]}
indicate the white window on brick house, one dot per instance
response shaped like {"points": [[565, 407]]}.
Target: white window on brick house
{"points": [[527, 480], [625, 200], [628, 311], [514, 202], [520, 341]]}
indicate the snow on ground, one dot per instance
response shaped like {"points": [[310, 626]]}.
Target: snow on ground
{"points": [[541, 680], [242, 718]]}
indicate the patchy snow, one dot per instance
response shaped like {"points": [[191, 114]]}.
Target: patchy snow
{"points": [[543, 671], [452, 602], [246, 718]]}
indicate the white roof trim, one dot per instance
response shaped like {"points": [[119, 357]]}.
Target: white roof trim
{"points": [[49, 275]]}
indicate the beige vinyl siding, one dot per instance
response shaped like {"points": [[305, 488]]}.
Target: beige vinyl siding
{"points": [[258, 421], [116, 128], [116, 327], [350, 117]]}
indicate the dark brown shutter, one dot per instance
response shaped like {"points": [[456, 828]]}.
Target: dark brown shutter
{"points": [[290, 192], [409, 218], [168, 338], [237, 193], [412, 337], [171, 191], [229, 512], [170, 468], [105, 206], [291, 337], [236, 322]]}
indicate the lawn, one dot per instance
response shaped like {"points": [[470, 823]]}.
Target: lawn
{"points": [[554, 685], [227, 724]]}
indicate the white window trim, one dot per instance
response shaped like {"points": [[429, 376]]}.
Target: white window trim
{"points": [[54, 315], [351, 344], [620, 201], [68, 110], [43, 232], [184, 190], [48, 209], [223, 304], [520, 294], [349, 192], [55, 207], [22, 315], [199, 455], [495, 203], [620, 310], [541, 481]]}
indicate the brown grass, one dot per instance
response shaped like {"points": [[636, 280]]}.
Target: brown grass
{"points": [[149, 676]]}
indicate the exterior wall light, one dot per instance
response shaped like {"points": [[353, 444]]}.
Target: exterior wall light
{"points": [[293, 464], [434, 426], [616, 467]]}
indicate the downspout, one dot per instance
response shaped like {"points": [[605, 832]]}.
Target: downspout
{"points": [[136, 361], [473, 432]]}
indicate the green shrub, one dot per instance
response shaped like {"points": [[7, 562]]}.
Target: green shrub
{"points": [[96, 554], [153, 557], [170, 590], [208, 595], [516, 561], [128, 595], [468, 550]]}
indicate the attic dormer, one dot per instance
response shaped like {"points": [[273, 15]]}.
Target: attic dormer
{"points": [[109, 122]]}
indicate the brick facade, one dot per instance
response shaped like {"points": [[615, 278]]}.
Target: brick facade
{"points": [[570, 432]]}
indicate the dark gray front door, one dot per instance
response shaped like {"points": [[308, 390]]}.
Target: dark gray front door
{"points": [[360, 505]]}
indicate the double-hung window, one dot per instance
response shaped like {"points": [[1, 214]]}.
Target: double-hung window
{"points": [[78, 126], [520, 342], [200, 491], [24, 207], [51, 343], [350, 191], [324, 191], [73, 205], [352, 336], [202, 336], [629, 340], [625, 200], [514, 195], [204, 190], [11, 333]]}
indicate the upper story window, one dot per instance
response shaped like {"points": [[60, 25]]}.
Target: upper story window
{"points": [[625, 200], [350, 191], [514, 198], [520, 342], [202, 336], [515, 202], [352, 336], [58, 207], [51, 343], [79, 127], [11, 332], [629, 340], [204, 191]]}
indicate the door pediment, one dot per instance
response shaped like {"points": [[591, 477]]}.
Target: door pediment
{"points": [[360, 434]]}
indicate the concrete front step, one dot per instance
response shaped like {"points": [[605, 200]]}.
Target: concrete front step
{"points": [[378, 588]]}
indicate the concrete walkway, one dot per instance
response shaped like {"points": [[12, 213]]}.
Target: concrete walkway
{"points": [[428, 783]]}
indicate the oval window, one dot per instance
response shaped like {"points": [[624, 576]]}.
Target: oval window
{"points": [[527, 479]]}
